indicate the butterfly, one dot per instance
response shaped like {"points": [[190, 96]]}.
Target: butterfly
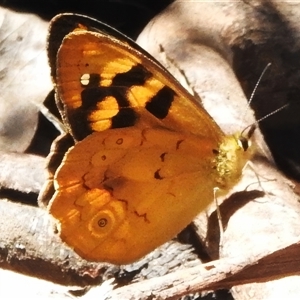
{"points": [[146, 156]]}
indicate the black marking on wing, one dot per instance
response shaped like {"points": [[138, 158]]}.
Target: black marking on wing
{"points": [[160, 104], [137, 75], [126, 117], [178, 144], [157, 175], [162, 156], [78, 118], [144, 216]]}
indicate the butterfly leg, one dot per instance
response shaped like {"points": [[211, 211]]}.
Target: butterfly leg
{"points": [[221, 227]]}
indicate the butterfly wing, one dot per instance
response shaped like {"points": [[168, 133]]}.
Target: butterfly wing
{"points": [[121, 193], [104, 80]]}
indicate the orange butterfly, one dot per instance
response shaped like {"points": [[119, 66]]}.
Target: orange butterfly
{"points": [[146, 157]]}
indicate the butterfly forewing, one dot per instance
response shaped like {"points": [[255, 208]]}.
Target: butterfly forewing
{"points": [[104, 82]]}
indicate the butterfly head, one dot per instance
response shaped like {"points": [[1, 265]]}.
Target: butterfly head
{"points": [[244, 139]]}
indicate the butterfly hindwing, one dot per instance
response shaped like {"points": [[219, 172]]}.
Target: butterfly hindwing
{"points": [[134, 183]]}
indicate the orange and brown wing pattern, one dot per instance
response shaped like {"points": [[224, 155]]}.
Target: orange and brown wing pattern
{"points": [[106, 81], [123, 192]]}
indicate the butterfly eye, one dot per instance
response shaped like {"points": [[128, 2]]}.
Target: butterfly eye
{"points": [[243, 143], [244, 140]]}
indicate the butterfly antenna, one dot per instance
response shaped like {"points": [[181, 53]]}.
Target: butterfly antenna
{"points": [[273, 112], [258, 82], [252, 127]]}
